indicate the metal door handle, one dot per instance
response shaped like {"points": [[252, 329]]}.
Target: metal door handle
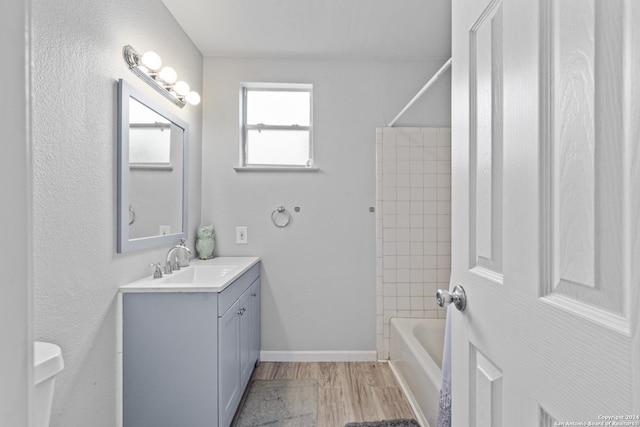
{"points": [[458, 297]]}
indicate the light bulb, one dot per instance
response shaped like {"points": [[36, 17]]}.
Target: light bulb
{"points": [[168, 75], [181, 88], [151, 60], [193, 98]]}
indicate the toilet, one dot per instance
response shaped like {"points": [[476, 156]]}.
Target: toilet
{"points": [[47, 360]]}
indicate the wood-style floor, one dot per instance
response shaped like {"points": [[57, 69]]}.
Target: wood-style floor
{"points": [[347, 392]]}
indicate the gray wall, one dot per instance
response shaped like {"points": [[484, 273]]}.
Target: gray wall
{"points": [[319, 273], [77, 59], [15, 168]]}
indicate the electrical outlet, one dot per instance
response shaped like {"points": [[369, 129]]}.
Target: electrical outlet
{"points": [[241, 236]]}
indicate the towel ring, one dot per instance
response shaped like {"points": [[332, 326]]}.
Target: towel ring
{"points": [[132, 216], [285, 214]]}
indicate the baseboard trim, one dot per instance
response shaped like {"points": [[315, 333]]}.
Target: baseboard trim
{"points": [[318, 356]]}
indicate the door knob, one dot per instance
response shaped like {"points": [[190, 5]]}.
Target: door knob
{"points": [[458, 297]]}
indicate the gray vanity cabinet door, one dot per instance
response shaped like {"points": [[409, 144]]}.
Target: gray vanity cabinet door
{"points": [[169, 359], [250, 332], [246, 367], [229, 364]]}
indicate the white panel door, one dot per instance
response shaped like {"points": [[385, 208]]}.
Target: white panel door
{"points": [[546, 212]]}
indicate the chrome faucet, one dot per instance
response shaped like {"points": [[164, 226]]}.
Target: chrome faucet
{"points": [[173, 261]]}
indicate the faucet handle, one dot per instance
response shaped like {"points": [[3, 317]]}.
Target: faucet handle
{"points": [[167, 267], [157, 274]]}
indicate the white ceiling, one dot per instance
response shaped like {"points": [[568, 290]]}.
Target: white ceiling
{"points": [[317, 28]]}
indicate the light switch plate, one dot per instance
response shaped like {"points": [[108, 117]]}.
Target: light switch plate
{"points": [[241, 235]]}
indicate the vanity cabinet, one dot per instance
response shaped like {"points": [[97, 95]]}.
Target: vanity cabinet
{"points": [[238, 329], [187, 355]]}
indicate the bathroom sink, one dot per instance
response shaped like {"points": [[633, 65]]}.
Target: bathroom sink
{"points": [[199, 274]]}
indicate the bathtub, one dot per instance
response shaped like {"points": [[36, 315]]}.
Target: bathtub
{"points": [[415, 353]]}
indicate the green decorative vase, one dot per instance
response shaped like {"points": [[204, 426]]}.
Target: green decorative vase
{"points": [[205, 241]]}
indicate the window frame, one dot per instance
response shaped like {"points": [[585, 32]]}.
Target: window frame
{"points": [[246, 87]]}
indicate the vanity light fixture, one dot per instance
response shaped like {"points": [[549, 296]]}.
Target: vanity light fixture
{"points": [[165, 80]]}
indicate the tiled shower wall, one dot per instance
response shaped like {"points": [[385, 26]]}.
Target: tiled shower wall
{"points": [[413, 224]]}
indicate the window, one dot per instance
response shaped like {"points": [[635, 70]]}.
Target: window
{"points": [[276, 125]]}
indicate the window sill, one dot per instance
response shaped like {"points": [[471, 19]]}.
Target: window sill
{"points": [[275, 169]]}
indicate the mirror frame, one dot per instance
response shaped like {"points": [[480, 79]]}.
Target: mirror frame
{"points": [[125, 243]]}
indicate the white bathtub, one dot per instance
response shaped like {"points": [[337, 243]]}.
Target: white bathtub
{"points": [[416, 359]]}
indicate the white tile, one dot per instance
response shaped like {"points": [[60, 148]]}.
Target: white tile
{"points": [[430, 221], [389, 152], [404, 289], [405, 303], [389, 289], [430, 303], [404, 194], [417, 248], [417, 221], [389, 275], [430, 235], [417, 314], [403, 221], [404, 262], [403, 153], [417, 139], [389, 221], [430, 248], [403, 180], [444, 235], [444, 248], [389, 180], [430, 154], [404, 314], [389, 194], [430, 261], [431, 207], [417, 289], [402, 208], [390, 303], [417, 152], [444, 166], [389, 207], [404, 276], [417, 303], [417, 261], [430, 139], [444, 275], [403, 140], [444, 261], [389, 166], [389, 262], [430, 193], [390, 234], [417, 194], [444, 153], [444, 194], [417, 166], [443, 180], [444, 221], [431, 314], [417, 235], [417, 180], [388, 314], [389, 248], [431, 179], [431, 288], [416, 276], [403, 248], [404, 166], [430, 166], [417, 208], [444, 207]]}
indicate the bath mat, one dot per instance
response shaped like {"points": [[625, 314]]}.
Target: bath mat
{"points": [[386, 423], [282, 403]]}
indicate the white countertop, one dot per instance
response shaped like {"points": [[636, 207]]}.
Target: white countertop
{"points": [[231, 268]]}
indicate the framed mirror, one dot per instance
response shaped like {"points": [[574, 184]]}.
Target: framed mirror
{"points": [[152, 172]]}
